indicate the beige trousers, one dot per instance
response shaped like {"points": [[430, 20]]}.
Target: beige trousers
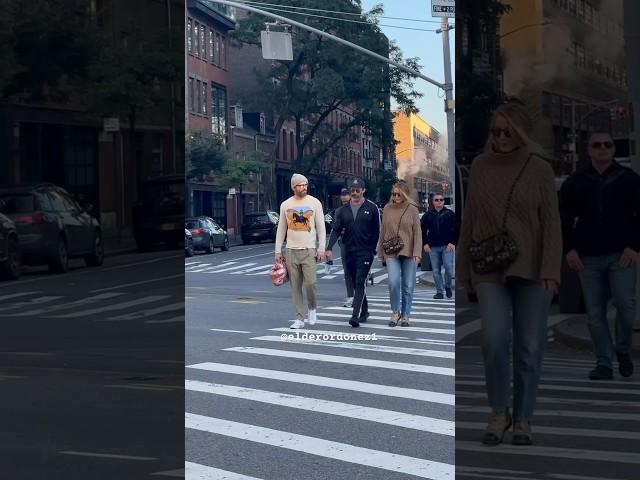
{"points": [[301, 265]]}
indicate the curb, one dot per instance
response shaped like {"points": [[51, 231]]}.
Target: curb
{"points": [[566, 334]]}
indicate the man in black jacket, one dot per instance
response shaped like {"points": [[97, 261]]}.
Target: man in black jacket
{"points": [[600, 210], [359, 224], [439, 238]]}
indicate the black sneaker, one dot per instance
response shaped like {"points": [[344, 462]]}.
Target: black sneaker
{"points": [[438, 296], [448, 292], [364, 318], [601, 373], [354, 322], [625, 364]]}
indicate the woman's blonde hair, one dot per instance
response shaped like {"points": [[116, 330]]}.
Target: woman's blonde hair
{"points": [[405, 190], [519, 120]]}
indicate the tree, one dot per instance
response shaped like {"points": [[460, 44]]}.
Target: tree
{"points": [[204, 153], [242, 170], [325, 77], [381, 189]]}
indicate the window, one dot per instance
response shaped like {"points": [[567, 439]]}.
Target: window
{"points": [[57, 203], [219, 110], [196, 39], [204, 98], [203, 45], [189, 36], [199, 90], [285, 156], [216, 58], [292, 147], [223, 53], [580, 9], [191, 95], [211, 46]]}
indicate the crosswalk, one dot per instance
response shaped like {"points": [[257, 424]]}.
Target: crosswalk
{"points": [[105, 307], [255, 268], [583, 430], [380, 406]]}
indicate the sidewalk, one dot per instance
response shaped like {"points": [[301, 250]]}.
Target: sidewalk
{"points": [[117, 243], [575, 332]]}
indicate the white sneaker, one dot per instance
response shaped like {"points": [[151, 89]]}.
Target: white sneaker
{"points": [[312, 317], [348, 302], [297, 324]]}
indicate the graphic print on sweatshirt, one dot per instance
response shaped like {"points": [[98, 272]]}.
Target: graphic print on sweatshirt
{"points": [[299, 219]]}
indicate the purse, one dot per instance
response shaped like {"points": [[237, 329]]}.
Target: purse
{"points": [[497, 252], [394, 244], [278, 273]]}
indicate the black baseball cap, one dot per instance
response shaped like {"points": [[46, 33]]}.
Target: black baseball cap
{"points": [[357, 183], [344, 191]]}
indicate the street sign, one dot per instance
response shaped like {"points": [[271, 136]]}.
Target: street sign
{"points": [[276, 45], [232, 191], [443, 8], [111, 124]]}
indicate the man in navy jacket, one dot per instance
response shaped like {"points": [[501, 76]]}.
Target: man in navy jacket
{"points": [[439, 239]]}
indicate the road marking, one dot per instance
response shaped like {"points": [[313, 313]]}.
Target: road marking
{"points": [[261, 267], [196, 471], [228, 269], [178, 319], [467, 329], [137, 283], [152, 388], [607, 456], [400, 464], [438, 331], [358, 412], [571, 380], [15, 295], [231, 331], [106, 455], [363, 346], [247, 302], [373, 310], [574, 401], [63, 306], [380, 278], [574, 432], [351, 385], [629, 417], [145, 313], [365, 362], [564, 388], [388, 338], [414, 308], [417, 300], [29, 303], [386, 319], [109, 308], [179, 473]]}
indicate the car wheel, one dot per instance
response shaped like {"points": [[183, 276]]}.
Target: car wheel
{"points": [[210, 247], [96, 258], [11, 268], [188, 252], [59, 263], [225, 247]]}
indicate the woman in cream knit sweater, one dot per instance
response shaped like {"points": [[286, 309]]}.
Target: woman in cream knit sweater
{"points": [[401, 217], [514, 301]]}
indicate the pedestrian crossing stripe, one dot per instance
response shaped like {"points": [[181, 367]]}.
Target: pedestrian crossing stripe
{"points": [[358, 412], [365, 362], [565, 431], [385, 319], [195, 471], [437, 331], [627, 417], [388, 338], [337, 383], [435, 314], [564, 388], [110, 308], [344, 452], [574, 401]]}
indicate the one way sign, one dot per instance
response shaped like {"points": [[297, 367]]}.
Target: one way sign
{"points": [[443, 8]]}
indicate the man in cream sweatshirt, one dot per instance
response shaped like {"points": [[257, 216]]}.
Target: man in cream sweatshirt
{"points": [[302, 222]]}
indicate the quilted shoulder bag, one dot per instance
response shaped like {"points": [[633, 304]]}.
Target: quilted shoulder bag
{"points": [[394, 244], [497, 252]]}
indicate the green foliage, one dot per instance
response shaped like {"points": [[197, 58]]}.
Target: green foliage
{"points": [[242, 170], [326, 76], [381, 190], [204, 153]]}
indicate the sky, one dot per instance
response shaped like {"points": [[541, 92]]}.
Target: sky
{"points": [[425, 45]]}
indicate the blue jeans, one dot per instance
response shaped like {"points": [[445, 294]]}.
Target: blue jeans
{"points": [[402, 282], [439, 257], [522, 307], [603, 279]]}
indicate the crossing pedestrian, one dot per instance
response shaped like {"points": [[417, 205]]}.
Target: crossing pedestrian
{"points": [[439, 238], [302, 222], [600, 208], [359, 224], [509, 254], [400, 220], [345, 196]]}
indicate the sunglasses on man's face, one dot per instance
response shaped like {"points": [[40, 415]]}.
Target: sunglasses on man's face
{"points": [[497, 131], [438, 199], [606, 145], [356, 190]]}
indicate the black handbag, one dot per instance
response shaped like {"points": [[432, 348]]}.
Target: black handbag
{"points": [[497, 252], [394, 244]]}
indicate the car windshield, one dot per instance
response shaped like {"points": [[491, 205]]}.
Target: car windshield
{"points": [[257, 220], [20, 203], [192, 224]]}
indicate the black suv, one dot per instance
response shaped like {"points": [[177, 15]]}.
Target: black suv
{"points": [[259, 226], [159, 214], [9, 248]]}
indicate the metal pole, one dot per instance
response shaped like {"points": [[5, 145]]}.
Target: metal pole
{"points": [[573, 136], [448, 107]]}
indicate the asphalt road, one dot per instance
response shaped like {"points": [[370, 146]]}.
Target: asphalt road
{"points": [[261, 408], [91, 370], [582, 430]]}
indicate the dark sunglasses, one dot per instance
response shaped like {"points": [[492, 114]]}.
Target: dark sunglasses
{"points": [[356, 190], [497, 131], [394, 194], [438, 199], [606, 145]]}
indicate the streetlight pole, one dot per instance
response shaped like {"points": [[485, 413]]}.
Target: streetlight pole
{"points": [[449, 104]]}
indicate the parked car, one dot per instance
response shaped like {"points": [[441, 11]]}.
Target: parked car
{"points": [[207, 234], [52, 227], [158, 215], [188, 243], [259, 226], [9, 247]]}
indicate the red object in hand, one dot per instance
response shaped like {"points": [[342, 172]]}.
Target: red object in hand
{"points": [[278, 273]]}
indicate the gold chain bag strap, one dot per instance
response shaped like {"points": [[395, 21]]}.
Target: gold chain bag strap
{"points": [[394, 244], [497, 252]]}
